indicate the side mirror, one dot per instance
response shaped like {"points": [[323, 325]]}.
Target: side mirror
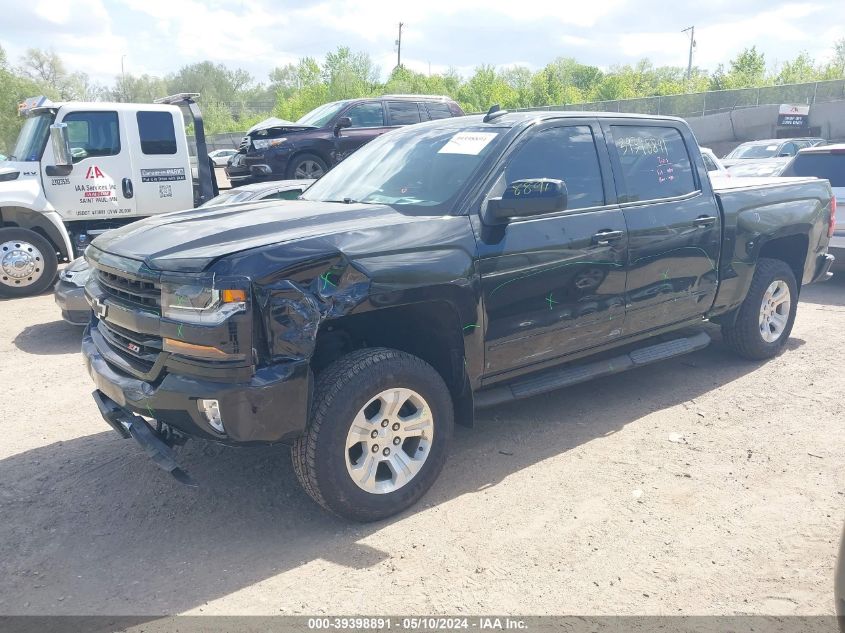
{"points": [[61, 150], [524, 198], [342, 122]]}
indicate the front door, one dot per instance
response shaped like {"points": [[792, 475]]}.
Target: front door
{"points": [[554, 284], [367, 123], [674, 227], [93, 190]]}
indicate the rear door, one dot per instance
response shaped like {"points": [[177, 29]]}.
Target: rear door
{"points": [[162, 178], [554, 284], [368, 122], [402, 113], [99, 142], [674, 226]]}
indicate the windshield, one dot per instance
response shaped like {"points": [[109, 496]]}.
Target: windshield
{"points": [[758, 150], [321, 115], [33, 137], [827, 165], [410, 168]]}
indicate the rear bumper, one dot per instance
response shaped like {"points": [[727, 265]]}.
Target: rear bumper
{"points": [[837, 248], [823, 266], [71, 300], [271, 407]]}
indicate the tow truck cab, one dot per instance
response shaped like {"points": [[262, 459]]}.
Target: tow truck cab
{"points": [[79, 169]]}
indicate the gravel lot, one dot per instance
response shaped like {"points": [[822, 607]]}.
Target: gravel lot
{"points": [[702, 485]]}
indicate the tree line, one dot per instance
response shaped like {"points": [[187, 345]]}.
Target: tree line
{"points": [[233, 100]]}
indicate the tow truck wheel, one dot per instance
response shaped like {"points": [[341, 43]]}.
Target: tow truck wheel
{"points": [[765, 318], [381, 421], [28, 263]]}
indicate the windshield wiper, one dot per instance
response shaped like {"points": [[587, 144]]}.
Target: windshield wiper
{"points": [[344, 201]]}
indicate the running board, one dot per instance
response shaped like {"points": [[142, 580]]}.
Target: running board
{"points": [[568, 376]]}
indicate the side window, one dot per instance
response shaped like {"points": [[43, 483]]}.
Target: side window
{"points": [[93, 134], [403, 112], [654, 161], [708, 162], [438, 110], [788, 149], [156, 132], [563, 153], [366, 115]]}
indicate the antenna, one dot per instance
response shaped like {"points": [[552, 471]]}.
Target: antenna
{"points": [[494, 113]]}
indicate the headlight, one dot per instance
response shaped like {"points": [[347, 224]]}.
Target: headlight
{"points": [[204, 300], [269, 142], [77, 272]]}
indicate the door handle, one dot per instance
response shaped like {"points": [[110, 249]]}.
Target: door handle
{"points": [[607, 236], [128, 192], [704, 220]]}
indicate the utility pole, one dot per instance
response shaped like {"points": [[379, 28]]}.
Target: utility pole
{"points": [[122, 79], [399, 46], [691, 30]]}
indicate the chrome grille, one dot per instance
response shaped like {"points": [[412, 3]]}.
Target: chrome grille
{"points": [[140, 293]]}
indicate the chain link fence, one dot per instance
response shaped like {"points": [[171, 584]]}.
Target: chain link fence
{"points": [[715, 101]]}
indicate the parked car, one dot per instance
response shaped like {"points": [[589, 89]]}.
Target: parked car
{"points": [[769, 148], [455, 264], [319, 140], [826, 161], [69, 291], [222, 156], [765, 168], [713, 165]]}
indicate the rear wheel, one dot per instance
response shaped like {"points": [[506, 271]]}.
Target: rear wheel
{"points": [[378, 435], [765, 318], [306, 166], [28, 262]]}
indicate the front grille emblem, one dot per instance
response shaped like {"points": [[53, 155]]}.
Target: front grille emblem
{"points": [[133, 348], [100, 308]]}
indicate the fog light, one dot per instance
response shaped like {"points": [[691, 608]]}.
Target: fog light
{"points": [[211, 410]]}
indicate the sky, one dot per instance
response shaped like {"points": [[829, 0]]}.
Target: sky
{"points": [[159, 36]]}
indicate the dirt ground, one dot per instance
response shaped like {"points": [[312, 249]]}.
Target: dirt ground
{"points": [[702, 485]]}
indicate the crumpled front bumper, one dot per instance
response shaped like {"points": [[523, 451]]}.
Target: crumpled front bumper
{"points": [[271, 407], [127, 424]]}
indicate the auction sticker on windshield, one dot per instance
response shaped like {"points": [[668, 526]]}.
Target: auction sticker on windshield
{"points": [[468, 143]]}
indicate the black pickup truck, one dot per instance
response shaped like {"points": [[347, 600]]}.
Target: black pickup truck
{"points": [[445, 266]]}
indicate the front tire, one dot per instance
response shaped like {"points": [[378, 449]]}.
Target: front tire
{"points": [[767, 314], [306, 166], [380, 425], [28, 263]]}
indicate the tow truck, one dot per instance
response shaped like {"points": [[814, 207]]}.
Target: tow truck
{"points": [[79, 169]]}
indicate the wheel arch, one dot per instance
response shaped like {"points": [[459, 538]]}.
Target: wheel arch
{"points": [[47, 224], [791, 249], [430, 330]]}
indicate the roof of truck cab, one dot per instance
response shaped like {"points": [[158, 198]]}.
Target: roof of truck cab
{"points": [[833, 148], [97, 106], [513, 119]]}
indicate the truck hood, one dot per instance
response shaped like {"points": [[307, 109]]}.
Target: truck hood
{"points": [[189, 241], [281, 125]]}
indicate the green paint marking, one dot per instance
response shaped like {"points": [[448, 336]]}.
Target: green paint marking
{"points": [[179, 331], [470, 326], [326, 281], [551, 301], [665, 274], [150, 411]]}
